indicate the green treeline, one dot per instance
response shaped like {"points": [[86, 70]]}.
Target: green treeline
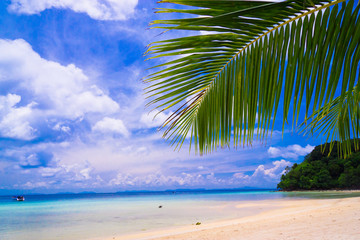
{"points": [[321, 171]]}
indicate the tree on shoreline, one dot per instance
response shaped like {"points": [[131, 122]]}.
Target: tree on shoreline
{"points": [[322, 171], [253, 58]]}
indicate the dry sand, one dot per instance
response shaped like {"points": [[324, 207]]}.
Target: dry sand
{"points": [[327, 219]]}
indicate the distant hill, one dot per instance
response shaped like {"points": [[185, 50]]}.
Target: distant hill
{"points": [[321, 171]]}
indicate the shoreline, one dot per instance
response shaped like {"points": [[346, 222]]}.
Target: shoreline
{"points": [[337, 218], [327, 190]]}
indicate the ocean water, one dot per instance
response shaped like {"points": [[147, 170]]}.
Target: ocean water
{"points": [[89, 216]]}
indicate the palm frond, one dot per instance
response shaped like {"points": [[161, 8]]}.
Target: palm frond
{"points": [[303, 53], [339, 119]]}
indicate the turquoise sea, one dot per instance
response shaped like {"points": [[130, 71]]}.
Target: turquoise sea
{"points": [[89, 216]]}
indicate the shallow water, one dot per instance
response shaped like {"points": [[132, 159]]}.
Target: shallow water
{"points": [[87, 216]]}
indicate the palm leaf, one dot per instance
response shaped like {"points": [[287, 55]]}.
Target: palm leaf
{"points": [[226, 84], [338, 119]]}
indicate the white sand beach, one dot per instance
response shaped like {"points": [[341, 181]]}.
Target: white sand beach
{"points": [[308, 219]]}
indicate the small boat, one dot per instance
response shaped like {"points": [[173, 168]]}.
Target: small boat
{"points": [[19, 198]]}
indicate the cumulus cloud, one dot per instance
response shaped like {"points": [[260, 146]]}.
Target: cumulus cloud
{"points": [[154, 118], [60, 176], [31, 161], [51, 90], [47, 166], [14, 121], [78, 172], [62, 90], [272, 173], [111, 125], [262, 176], [29, 158], [33, 185], [61, 127], [156, 180], [96, 9], [292, 151], [120, 170]]}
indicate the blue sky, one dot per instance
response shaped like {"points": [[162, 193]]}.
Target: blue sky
{"points": [[72, 115]]}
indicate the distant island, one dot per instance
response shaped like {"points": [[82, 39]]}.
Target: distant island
{"points": [[321, 171]]}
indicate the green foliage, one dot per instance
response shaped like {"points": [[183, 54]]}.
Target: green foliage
{"points": [[254, 57], [322, 170]]}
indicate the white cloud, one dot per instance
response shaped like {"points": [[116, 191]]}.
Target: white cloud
{"points": [[156, 180], [63, 90], [154, 119], [9, 101], [14, 121], [262, 176], [50, 172], [272, 173], [32, 185], [68, 173], [31, 160], [96, 9], [62, 127], [292, 151], [51, 90], [77, 164], [120, 153], [60, 176], [111, 125]]}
